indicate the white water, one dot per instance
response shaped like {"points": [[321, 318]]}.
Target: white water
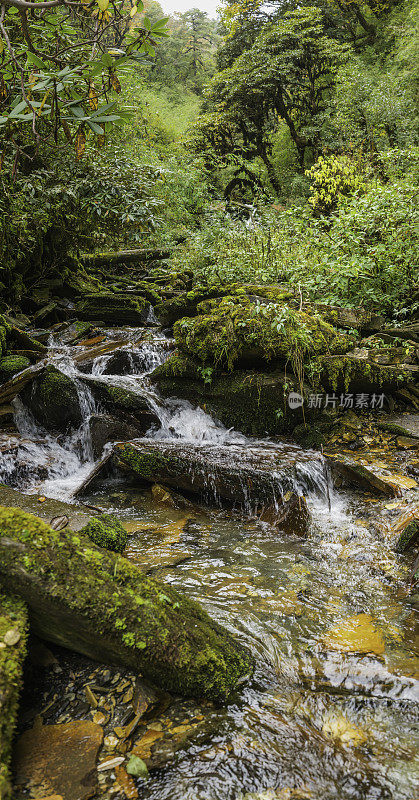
{"points": [[57, 465]]}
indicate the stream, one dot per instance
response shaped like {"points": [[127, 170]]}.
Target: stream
{"points": [[317, 720]]}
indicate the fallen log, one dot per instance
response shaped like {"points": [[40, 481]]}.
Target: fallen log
{"points": [[123, 257], [99, 604], [10, 389], [259, 481], [13, 629]]}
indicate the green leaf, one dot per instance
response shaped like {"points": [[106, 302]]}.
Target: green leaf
{"points": [[94, 127]]}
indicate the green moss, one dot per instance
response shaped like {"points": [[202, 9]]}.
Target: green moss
{"points": [[106, 531], [11, 365], [12, 615], [409, 537], [63, 570], [186, 304], [348, 372], [239, 330], [53, 400], [146, 465], [114, 309]]}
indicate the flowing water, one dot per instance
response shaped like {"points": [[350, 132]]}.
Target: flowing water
{"points": [[315, 721]]}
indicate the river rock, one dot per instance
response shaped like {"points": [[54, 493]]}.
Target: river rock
{"points": [[134, 409], [59, 759], [258, 480], [53, 400], [104, 428], [251, 401]]}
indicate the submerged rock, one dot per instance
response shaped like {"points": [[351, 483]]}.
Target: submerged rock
{"points": [[357, 634], [98, 604], [13, 632], [59, 759], [53, 399]]}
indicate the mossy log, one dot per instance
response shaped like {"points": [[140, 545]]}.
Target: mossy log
{"points": [[13, 630], [113, 309], [256, 481], [99, 604], [122, 257]]}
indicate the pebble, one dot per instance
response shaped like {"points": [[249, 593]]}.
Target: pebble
{"points": [[110, 763], [110, 741], [11, 637]]}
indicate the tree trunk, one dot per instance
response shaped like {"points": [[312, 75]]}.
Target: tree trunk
{"points": [[99, 604]]}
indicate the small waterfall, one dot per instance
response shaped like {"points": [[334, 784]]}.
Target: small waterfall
{"points": [[56, 466]]}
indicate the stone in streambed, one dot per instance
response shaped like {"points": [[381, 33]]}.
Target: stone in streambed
{"points": [[134, 408], [11, 365], [59, 759], [104, 428], [106, 531], [53, 400], [257, 480]]}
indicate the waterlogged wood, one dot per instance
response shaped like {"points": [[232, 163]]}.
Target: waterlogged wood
{"points": [[99, 604], [257, 480], [10, 389]]}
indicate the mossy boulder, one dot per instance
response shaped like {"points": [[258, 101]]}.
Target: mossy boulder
{"points": [[13, 634], [53, 400], [114, 309], [240, 331], [11, 365], [252, 401], [106, 531], [355, 374], [99, 604], [134, 408], [186, 304]]}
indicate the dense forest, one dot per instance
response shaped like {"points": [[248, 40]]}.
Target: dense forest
{"points": [[209, 400]]}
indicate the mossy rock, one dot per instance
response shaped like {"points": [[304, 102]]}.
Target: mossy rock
{"points": [[115, 398], [350, 373], [251, 401], [11, 365], [4, 331], [106, 531], [113, 309], [409, 536], [186, 303], [53, 400], [97, 603], [13, 626], [239, 331]]}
